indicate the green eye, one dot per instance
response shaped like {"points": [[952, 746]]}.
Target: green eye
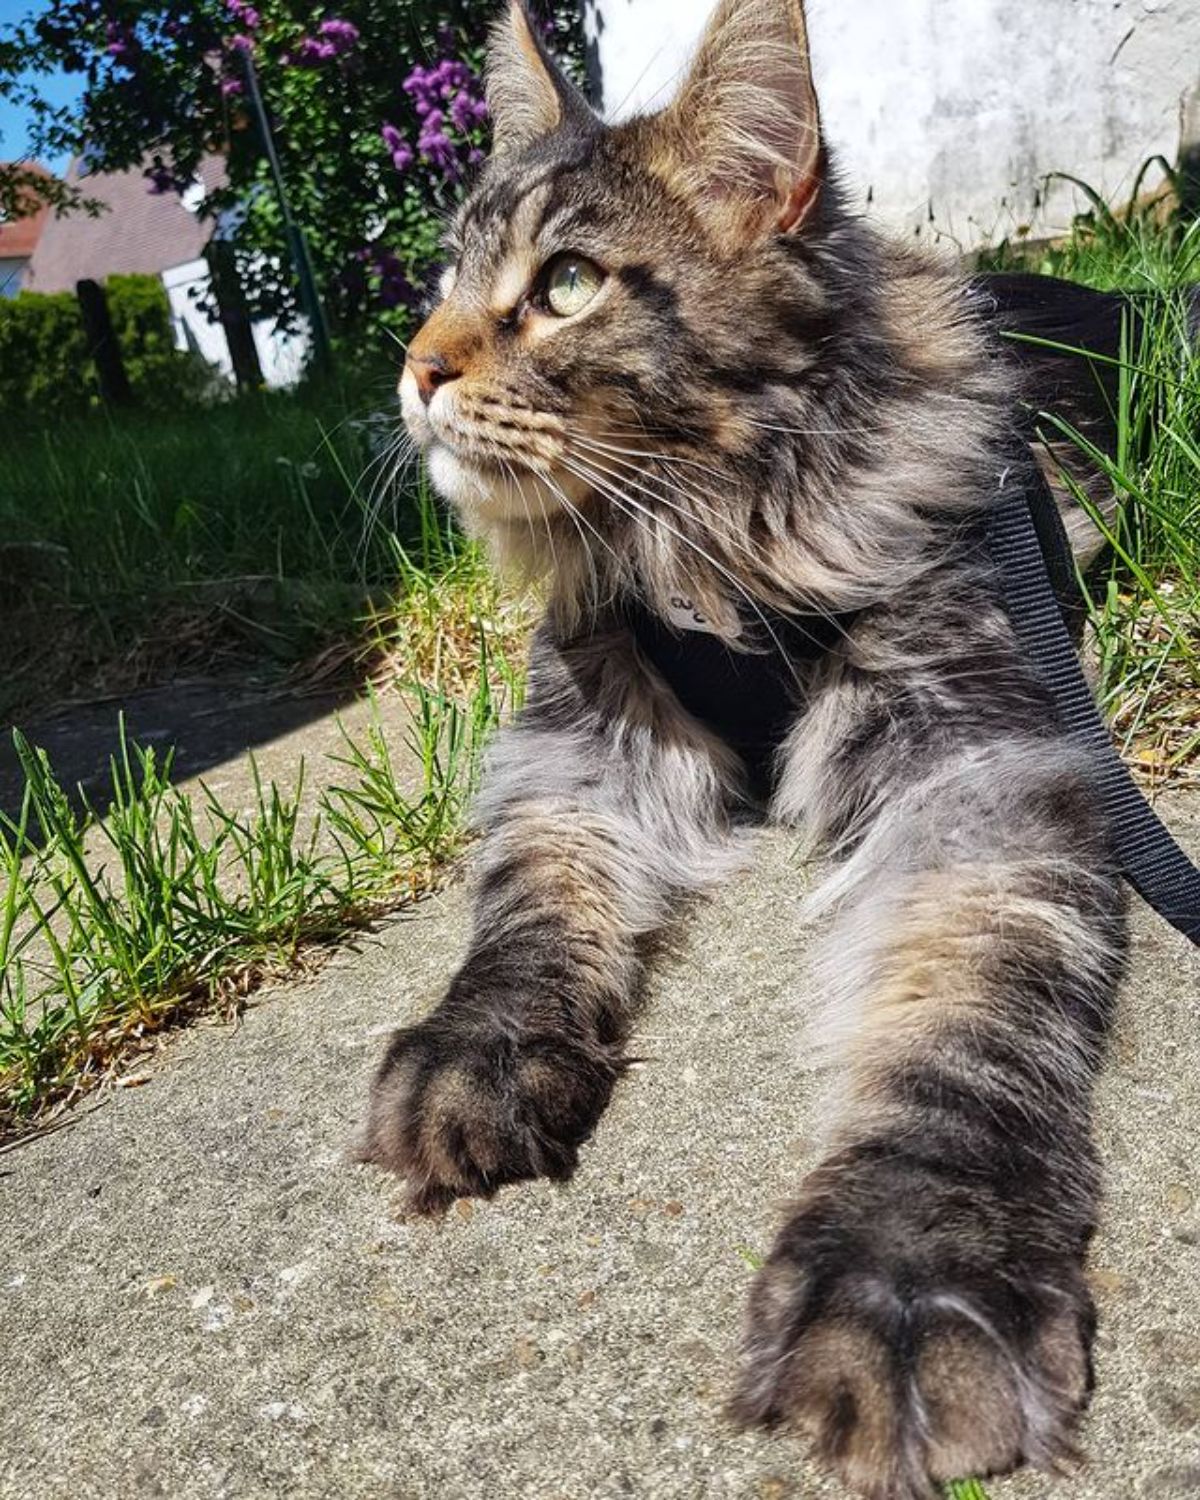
{"points": [[571, 281]]}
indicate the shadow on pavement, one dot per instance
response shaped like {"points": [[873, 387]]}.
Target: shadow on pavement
{"points": [[208, 720]]}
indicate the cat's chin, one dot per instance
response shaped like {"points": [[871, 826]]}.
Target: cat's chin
{"points": [[486, 495], [472, 488]]}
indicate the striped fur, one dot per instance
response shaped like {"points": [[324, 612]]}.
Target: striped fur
{"points": [[766, 406]]}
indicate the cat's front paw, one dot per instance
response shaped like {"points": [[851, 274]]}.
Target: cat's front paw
{"points": [[918, 1330], [462, 1105]]}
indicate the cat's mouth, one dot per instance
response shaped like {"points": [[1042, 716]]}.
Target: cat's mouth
{"points": [[512, 477]]}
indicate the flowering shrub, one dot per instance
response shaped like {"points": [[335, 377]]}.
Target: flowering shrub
{"points": [[377, 109]]}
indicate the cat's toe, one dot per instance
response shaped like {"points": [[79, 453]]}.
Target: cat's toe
{"points": [[459, 1112], [908, 1359]]}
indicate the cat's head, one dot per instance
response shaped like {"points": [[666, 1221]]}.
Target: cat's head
{"points": [[639, 323]]}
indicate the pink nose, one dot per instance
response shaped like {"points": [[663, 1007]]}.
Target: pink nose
{"points": [[431, 371]]}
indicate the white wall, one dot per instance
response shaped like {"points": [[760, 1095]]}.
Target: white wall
{"points": [[281, 356], [947, 115]]}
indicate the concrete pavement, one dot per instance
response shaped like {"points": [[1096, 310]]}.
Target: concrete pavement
{"points": [[201, 1297]]}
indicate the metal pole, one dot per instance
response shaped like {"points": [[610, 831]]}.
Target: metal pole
{"points": [[310, 300]]}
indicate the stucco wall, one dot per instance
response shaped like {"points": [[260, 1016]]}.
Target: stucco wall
{"points": [[948, 115]]}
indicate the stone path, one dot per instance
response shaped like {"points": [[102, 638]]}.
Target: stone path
{"points": [[201, 1297]]}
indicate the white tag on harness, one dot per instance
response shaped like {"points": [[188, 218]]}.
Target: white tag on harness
{"points": [[682, 613]]}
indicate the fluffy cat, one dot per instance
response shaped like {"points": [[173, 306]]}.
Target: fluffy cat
{"points": [[671, 371]]}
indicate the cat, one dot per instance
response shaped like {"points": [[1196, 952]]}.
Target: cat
{"points": [[671, 371]]}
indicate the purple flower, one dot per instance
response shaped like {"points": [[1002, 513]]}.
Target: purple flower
{"points": [[161, 179], [242, 43], [311, 53], [474, 156], [245, 13], [120, 41], [392, 138], [438, 150], [460, 112], [403, 157], [450, 75], [444, 97], [342, 34], [230, 86], [466, 112], [334, 39]]}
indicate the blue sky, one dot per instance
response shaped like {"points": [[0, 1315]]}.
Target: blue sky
{"points": [[60, 89]]}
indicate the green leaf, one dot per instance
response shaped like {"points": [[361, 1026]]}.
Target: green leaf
{"points": [[965, 1489]]}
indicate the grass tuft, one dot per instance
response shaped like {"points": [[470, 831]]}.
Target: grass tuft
{"points": [[115, 927], [1144, 601]]}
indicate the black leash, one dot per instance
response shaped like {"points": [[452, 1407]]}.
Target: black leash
{"points": [[1031, 547]]}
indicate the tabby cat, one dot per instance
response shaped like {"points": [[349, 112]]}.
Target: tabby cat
{"points": [[671, 371]]}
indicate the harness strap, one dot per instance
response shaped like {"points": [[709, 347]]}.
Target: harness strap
{"points": [[1030, 547]]}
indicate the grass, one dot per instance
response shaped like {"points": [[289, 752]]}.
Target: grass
{"points": [[150, 543], [115, 927], [1145, 599]]}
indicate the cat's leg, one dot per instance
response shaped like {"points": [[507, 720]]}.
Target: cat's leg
{"points": [[603, 806], [924, 1313]]}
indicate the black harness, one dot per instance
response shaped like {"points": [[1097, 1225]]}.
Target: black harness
{"points": [[749, 698]]}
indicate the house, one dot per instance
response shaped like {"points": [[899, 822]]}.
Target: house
{"points": [[19, 239], [148, 232], [137, 231]]}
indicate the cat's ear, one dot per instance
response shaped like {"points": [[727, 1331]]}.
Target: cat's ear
{"points": [[528, 94], [745, 127]]}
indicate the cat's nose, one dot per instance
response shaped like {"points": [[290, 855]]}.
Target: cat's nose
{"points": [[431, 371]]}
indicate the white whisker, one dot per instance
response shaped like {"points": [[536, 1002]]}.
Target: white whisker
{"points": [[621, 498]]}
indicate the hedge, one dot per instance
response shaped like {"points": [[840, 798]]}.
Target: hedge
{"points": [[44, 366]]}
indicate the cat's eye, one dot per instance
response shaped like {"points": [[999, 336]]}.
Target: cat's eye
{"points": [[569, 283]]}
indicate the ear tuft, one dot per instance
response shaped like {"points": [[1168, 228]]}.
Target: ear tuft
{"points": [[744, 131], [528, 94]]}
